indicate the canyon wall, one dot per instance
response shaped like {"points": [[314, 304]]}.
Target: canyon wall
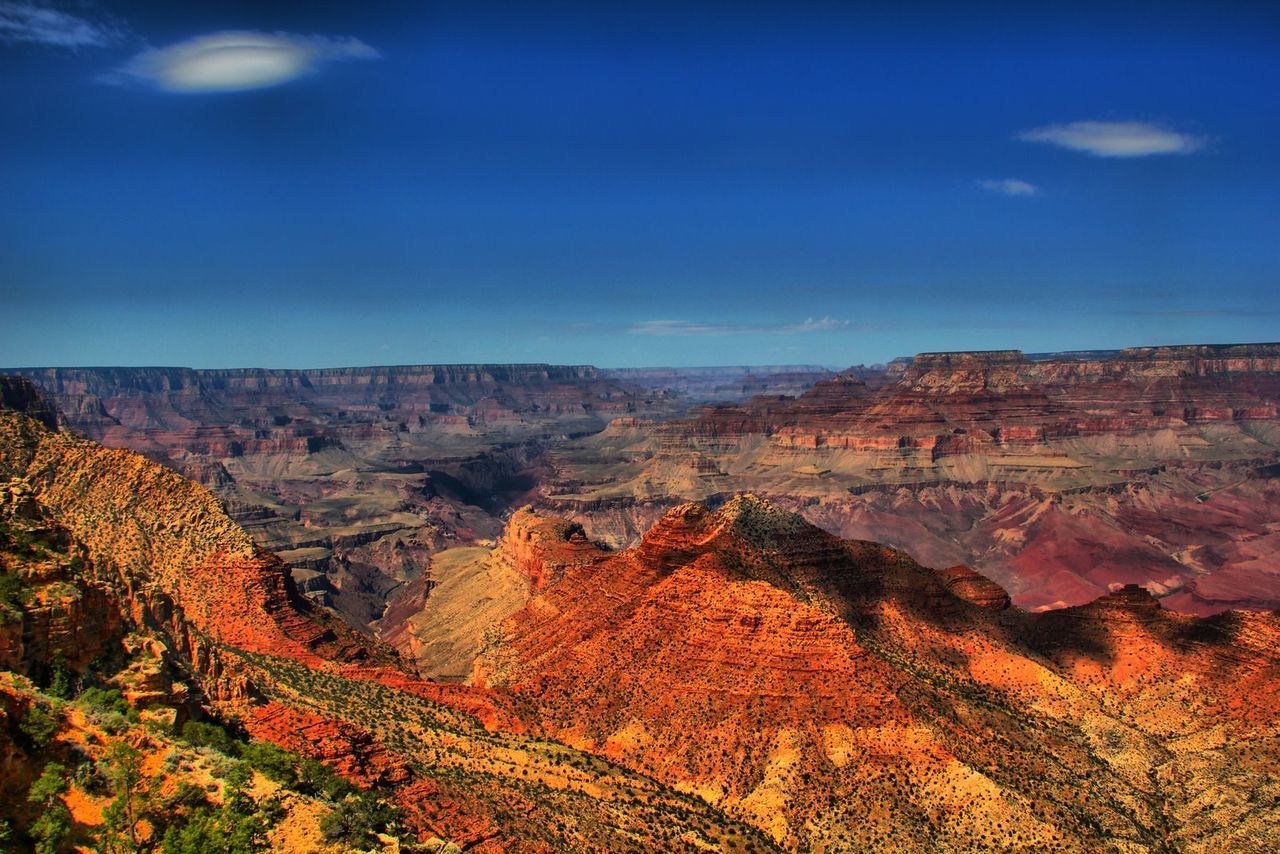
{"points": [[1060, 476]]}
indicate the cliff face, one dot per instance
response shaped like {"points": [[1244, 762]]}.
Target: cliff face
{"points": [[163, 553], [1057, 476], [19, 395], [175, 399], [726, 383], [846, 698]]}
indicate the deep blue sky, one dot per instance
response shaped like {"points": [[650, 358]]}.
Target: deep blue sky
{"points": [[635, 184]]}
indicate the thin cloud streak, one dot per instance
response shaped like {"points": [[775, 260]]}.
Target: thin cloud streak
{"points": [[1202, 312], [234, 61], [665, 328], [31, 23], [1115, 139], [1010, 187]]}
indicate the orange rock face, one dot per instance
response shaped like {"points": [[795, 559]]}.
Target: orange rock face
{"points": [[839, 696]]}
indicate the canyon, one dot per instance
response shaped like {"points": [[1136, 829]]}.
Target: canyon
{"points": [[126, 568], [845, 695], [1060, 476], [356, 477]]}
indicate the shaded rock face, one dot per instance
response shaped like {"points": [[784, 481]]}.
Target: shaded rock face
{"points": [[18, 394], [974, 588], [62, 617], [1057, 476], [846, 698]]}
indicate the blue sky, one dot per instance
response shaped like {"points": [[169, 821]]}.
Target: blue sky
{"points": [[311, 184]]}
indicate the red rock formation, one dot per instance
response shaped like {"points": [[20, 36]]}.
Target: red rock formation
{"points": [[542, 548]]}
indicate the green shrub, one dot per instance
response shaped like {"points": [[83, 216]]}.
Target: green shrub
{"points": [[39, 726], [13, 595], [237, 798], [51, 783], [316, 778], [51, 827], [272, 761], [200, 833], [356, 819], [202, 734], [105, 700], [53, 823], [121, 764]]}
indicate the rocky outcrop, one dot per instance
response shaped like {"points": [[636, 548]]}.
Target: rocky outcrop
{"points": [[542, 548], [974, 588]]}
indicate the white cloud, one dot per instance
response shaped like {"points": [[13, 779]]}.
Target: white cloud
{"points": [[686, 327], [822, 324], [1010, 187], [236, 61], [1115, 139], [33, 23]]}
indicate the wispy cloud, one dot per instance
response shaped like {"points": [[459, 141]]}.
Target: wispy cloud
{"points": [[35, 23], [1115, 139], [1009, 187], [686, 327], [1202, 312], [237, 61]]}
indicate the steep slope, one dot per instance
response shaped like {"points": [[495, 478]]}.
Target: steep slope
{"points": [[845, 698]]}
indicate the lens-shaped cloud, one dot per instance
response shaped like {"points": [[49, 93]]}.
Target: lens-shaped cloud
{"points": [[1115, 139], [237, 61]]}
